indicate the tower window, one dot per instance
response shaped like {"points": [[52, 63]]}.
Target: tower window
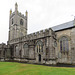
{"points": [[12, 21], [21, 22]]}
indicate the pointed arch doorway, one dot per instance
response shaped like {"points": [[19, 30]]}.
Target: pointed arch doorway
{"points": [[39, 58]]}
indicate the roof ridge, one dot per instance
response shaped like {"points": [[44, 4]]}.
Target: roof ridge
{"points": [[63, 26]]}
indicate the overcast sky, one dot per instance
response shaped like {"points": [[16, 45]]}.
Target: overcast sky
{"points": [[42, 14]]}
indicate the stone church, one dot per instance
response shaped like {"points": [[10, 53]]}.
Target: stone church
{"points": [[50, 46]]}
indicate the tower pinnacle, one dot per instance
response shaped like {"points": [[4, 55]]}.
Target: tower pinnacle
{"points": [[26, 13], [16, 6], [10, 11]]}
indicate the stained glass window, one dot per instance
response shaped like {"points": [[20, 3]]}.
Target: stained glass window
{"points": [[39, 46], [64, 46]]}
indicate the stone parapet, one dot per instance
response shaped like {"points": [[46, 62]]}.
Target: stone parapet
{"points": [[19, 14], [33, 36]]}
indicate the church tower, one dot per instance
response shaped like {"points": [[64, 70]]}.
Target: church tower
{"points": [[17, 24]]}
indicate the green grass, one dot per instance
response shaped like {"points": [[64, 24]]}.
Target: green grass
{"points": [[12, 68]]}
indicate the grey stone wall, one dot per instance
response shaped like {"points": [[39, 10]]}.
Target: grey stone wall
{"points": [[40, 47], [47, 37], [73, 45]]}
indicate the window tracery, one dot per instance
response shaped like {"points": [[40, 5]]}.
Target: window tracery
{"points": [[64, 44], [39, 46], [25, 46]]}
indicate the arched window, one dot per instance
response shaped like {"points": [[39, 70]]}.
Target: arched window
{"points": [[21, 22], [17, 51], [25, 46], [64, 45], [39, 46]]}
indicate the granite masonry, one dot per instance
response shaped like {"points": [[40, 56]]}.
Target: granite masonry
{"points": [[50, 46]]}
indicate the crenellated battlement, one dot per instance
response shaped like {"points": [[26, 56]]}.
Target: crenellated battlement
{"points": [[16, 12], [19, 14], [33, 36]]}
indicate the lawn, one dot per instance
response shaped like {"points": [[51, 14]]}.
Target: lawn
{"points": [[13, 68]]}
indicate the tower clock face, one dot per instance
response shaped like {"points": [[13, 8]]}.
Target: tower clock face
{"points": [[21, 22]]}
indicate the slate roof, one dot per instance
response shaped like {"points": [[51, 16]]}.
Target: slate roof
{"points": [[63, 26]]}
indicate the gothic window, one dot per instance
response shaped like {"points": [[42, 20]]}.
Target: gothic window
{"points": [[64, 45], [39, 46], [12, 21], [25, 46], [17, 51], [21, 22]]}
